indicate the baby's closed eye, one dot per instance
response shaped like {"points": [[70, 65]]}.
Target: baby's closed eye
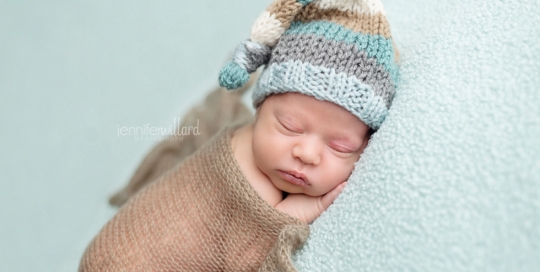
{"points": [[290, 127], [341, 149]]}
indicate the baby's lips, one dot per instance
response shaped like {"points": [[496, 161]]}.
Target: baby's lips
{"points": [[296, 176], [299, 175]]}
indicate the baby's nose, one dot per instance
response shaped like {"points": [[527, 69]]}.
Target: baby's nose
{"points": [[307, 153]]}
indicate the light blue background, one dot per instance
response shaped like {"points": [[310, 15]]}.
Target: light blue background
{"points": [[449, 183], [71, 72]]}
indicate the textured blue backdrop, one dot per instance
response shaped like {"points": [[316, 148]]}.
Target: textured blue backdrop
{"points": [[451, 182]]}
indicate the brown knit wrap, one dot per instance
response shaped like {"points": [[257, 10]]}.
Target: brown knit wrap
{"points": [[203, 215]]}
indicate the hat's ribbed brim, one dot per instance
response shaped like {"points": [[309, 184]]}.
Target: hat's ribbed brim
{"points": [[324, 84]]}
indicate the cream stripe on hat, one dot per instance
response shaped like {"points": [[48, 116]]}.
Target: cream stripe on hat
{"points": [[359, 6]]}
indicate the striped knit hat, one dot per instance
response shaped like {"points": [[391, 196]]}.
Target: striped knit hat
{"points": [[335, 50]]}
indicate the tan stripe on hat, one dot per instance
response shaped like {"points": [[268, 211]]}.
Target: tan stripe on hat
{"points": [[284, 11]]}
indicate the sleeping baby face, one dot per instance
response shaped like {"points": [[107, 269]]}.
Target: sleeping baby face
{"points": [[305, 145]]}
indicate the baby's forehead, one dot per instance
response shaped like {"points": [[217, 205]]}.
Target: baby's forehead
{"points": [[296, 98], [298, 103]]}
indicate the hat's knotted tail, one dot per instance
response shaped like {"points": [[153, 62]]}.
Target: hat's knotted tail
{"points": [[255, 52], [247, 57]]}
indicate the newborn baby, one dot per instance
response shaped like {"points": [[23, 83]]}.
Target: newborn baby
{"points": [[243, 201], [301, 146]]}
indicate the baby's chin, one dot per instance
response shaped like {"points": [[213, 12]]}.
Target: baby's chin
{"points": [[284, 186]]}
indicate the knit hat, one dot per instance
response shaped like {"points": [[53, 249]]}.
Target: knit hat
{"points": [[334, 50]]}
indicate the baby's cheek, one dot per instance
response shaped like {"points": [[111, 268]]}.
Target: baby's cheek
{"points": [[342, 171], [263, 157]]}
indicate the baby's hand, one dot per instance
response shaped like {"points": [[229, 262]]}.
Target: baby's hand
{"points": [[308, 208]]}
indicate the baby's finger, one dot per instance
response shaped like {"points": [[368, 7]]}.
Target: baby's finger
{"points": [[331, 196]]}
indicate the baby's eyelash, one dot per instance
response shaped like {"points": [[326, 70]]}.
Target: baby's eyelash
{"points": [[340, 151], [287, 127]]}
